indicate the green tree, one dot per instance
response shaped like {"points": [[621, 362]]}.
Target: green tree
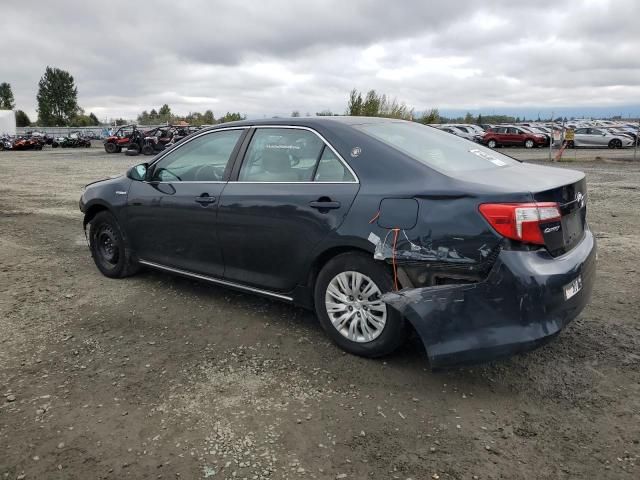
{"points": [[208, 118], [371, 104], [22, 119], [165, 110], [324, 113], [94, 119], [469, 118], [430, 117], [354, 107], [479, 121], [6, 97], [232, 117], [57, 98], [295, 113]]}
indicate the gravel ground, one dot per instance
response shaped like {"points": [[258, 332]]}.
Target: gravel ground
{"points": [[161, 377]]}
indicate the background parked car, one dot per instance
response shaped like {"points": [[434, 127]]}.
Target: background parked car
{"points": [[510, 136], [599, 137]]}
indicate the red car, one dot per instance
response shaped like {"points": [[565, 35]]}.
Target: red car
{"points": [[507, 136]]}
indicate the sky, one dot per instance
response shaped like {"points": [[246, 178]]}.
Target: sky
{"points": [[271, 57]]}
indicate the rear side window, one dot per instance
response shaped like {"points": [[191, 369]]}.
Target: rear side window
{"points": [[331, 169], [289, 155], [436, 149]]}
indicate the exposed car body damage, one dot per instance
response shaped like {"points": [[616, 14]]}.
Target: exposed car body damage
{"points": [[520, 304]]}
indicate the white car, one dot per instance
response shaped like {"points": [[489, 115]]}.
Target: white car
{"points": [[598, 137]]}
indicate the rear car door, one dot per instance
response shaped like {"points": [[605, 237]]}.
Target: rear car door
{"points": [[515, 136], [291, 191], [171, 216]]}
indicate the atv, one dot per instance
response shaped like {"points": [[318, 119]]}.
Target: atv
{"points": [[157, 139], [119, 139], [23, 143]]}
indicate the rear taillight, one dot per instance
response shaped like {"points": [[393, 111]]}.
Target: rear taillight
{"points": [[520, 221]]}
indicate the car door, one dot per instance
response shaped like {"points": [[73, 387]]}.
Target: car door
{"points": [[290, 191], [501, 136], [515, 136], [171, 216], [581, 137], [598, 138]]}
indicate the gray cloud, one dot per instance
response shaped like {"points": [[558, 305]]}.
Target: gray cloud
{"points": [[273, 57]]}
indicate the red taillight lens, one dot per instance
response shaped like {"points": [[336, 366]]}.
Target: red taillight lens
{"points": [[520, 221]]}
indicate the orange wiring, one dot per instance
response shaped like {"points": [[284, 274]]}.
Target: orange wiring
{"points": [[375, 217], [396, 232]]}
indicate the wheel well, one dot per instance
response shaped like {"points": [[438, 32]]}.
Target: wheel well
{"points": [[92, 212], [325, 257]]}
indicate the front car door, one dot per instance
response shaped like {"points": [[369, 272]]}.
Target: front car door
{"points": [[581, 137], [171, 216], [291, 191]]}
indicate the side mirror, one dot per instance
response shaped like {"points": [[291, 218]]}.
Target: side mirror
{"points": [[138, 172], [604, 134]]}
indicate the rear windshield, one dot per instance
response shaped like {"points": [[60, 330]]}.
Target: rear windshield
{"points": [[439, 150]]}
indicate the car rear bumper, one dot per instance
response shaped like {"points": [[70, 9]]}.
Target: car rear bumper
{"points": [[519, 306]]}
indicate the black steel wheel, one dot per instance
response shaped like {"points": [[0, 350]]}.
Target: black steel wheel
{"points": [[109, 247]]}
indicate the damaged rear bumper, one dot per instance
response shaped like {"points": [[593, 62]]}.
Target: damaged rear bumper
{"points": [[520, 304]]}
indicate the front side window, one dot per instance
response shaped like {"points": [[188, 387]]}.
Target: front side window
{"points": [[203, 159], [281, 155]]}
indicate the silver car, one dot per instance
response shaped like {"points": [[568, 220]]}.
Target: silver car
{"points": [[599, 137]]}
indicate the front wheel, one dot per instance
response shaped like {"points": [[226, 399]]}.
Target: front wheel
{"points": [[615, 143], [110, 147], [109, 247], [348, 303], [528, 143], [492, 144]]}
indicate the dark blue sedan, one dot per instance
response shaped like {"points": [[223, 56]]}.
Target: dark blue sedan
{"points": [[380, 225]]}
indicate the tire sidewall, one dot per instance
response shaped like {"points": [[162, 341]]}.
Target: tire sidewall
{"points": [[492, 144], [394, 331], [528, 144], [97, 223]]}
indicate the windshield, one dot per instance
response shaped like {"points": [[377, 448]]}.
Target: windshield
{"points": [[435, 148]]}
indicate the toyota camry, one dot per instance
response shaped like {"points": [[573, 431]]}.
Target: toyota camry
{"points": [[381, 226]]}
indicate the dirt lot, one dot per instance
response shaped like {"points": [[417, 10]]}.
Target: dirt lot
{"points": [[161, 377]]}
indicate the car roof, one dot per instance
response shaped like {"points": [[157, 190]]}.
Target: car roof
{"points": [[308, 121]]}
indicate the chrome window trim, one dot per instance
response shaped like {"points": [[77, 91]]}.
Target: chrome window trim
{"points": [[215, 280], [324, 140]]}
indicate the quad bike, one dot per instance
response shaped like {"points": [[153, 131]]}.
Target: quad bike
{"points": [[119, 139], [6, 143], [23, 143], [73, 140]]}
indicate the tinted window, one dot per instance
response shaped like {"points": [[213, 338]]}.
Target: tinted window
{"points": [[281, 155], [202, 159], [434, 148], [513, 130], [581, 131], [595, 131], [331, 169]]}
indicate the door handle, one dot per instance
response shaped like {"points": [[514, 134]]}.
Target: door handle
{"points": [[324, 205], [205, 200]]}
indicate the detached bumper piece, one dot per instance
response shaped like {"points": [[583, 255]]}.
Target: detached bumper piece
{"points": [[521, 304]]}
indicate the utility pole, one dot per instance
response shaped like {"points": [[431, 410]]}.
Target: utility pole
{"points": [[635, 149], [552, 136]]}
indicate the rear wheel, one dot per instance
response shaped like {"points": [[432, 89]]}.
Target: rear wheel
{"points": [[109, 247], [110, 147], [133, 149], [492, 144], [528, 143], [348, 303], [147, 149], [615, 143]]}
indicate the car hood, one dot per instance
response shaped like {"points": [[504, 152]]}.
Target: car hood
{"points": [[105, 181]]}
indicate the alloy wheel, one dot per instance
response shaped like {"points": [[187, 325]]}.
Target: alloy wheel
{"points": [[354, 306]]}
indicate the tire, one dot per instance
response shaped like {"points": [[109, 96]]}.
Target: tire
{"points": [[528, 143], [133, 147], [492, 143], [374, 340], [110, 147], [109, 247], [1, 146], [131, 152], [55, 145], [147, 150], [615, 143]]}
